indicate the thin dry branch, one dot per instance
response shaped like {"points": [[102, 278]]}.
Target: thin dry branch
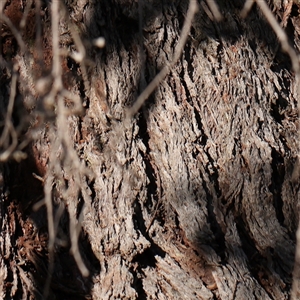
{"points": [[9, 130], [246, 9], [283, 39], [73, 166], [56, 67], [25, 14], [51, 230], [214, 10], [57, 86], [14, 31], [193, 7], [38, 40], [79, 56], [281, 35], [59, 140]]}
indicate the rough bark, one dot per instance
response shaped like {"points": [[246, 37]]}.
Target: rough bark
{"points": [[194, 197]]}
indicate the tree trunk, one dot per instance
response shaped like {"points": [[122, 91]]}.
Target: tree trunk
{"points": [[194, 197]]}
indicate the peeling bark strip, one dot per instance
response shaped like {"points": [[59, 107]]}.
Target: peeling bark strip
{"points": [[194, 197]]}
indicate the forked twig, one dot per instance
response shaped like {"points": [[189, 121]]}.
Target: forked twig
{"points": [[14, 31], [61, 142]]}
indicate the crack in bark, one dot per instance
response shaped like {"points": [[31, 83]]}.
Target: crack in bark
{"points": [[219, 237], [278, 175]]}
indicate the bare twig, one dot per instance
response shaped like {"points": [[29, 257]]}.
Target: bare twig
{"points": [[51, 230], [2, 5], [247, 7], [62, 146], [56, 66], [80, 55], [57, 86], [9, 127], [75, 231], [14, 31], [73, 166], [283, 38], [193, 7], [214, 9], [281, 35], [142, 56], [25, 14], [38, 42]]}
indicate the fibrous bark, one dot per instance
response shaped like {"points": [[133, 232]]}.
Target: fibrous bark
{"points": [[192, 198]]}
